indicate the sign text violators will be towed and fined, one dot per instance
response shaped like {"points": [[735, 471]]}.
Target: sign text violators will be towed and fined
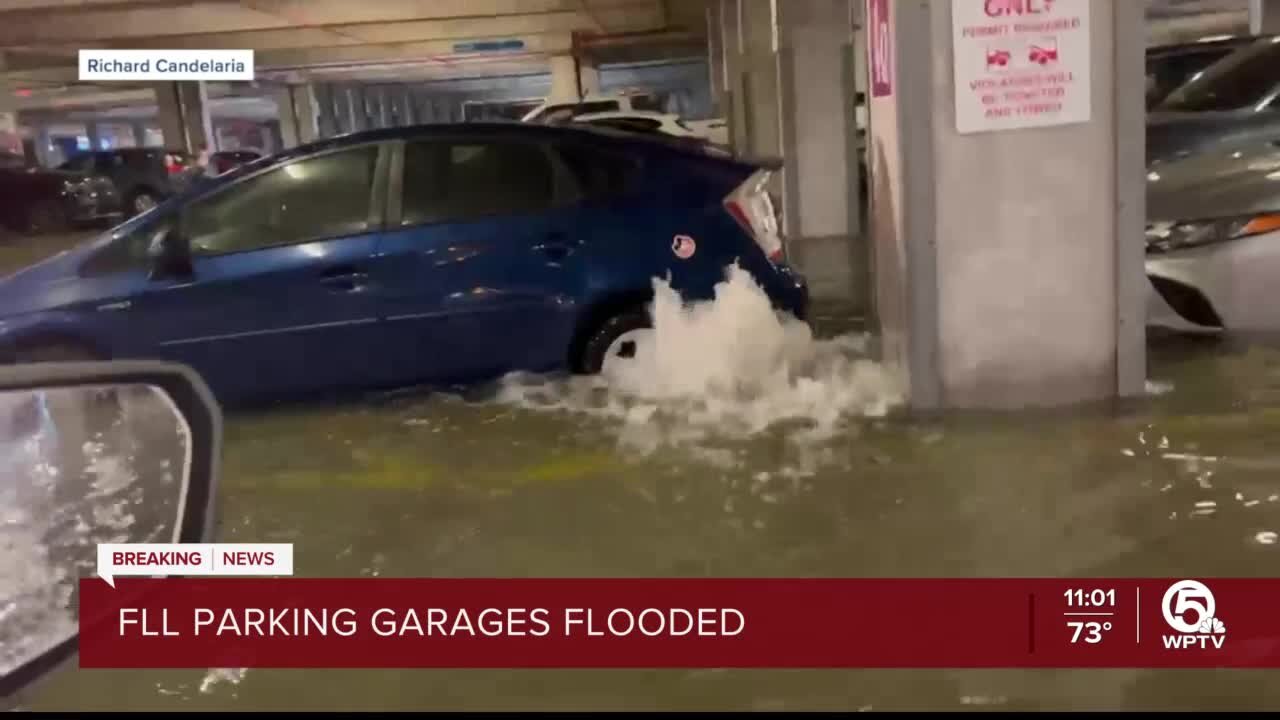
{"points": [[142, 65], [206, 559], [1021, 63]]}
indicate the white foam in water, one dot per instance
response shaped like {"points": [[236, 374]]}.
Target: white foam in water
{"points": [[727, 368]]}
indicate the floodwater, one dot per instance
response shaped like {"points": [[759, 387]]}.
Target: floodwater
{"points": [[784, 457]]}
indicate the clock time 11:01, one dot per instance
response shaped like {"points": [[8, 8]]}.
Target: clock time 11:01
{"points": [[1090, 598]]}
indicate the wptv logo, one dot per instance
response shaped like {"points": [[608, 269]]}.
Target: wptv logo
{"points": [[1189, 608]]}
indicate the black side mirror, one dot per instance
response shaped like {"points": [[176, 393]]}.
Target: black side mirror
{"points": [[158, 430], [170, 255]]}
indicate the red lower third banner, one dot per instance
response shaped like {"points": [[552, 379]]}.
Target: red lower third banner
{"points": [[660, 623]]}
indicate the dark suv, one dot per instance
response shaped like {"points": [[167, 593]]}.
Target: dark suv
{"points": [[142, 176]]}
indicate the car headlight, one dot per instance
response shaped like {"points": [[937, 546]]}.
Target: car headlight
{"points": [[1168, 236]]}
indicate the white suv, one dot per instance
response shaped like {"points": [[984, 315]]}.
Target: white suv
{"points": [[549, 111]]}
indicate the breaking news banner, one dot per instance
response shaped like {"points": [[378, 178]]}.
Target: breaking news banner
{"points": [[142, 65], [197, 617], [125, 559]]}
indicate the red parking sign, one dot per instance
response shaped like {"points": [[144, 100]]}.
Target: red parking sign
{"points": [[880, 48]]}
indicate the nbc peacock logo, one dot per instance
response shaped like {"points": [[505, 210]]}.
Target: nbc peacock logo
{"points": [[1191, 610]]}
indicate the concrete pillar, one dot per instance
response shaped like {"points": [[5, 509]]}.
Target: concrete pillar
{"points": [[184, 116], [408, 108], [327, 115], [139, 133], [820, 193], [564, 79], [351, 103], [1008, 270], [288, 120], [369, 103], [10, 139], [383, 110], [43, 146], [735, 105], [1264, 17], [759, 77], [298, 112], [588, 77], [715, 59], [94, 133], [394, 104], [306, 112], [372, 111]]}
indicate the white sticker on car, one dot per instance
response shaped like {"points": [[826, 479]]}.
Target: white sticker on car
{"points": [[684, 247]]}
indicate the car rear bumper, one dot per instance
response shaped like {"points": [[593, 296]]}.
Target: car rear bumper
{"points": [[791, 292]]}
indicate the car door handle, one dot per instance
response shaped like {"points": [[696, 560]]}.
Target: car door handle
{"points": [[344, 279]]}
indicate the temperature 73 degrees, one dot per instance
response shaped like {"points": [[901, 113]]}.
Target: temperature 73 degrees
{"points": [[1090, 632]]}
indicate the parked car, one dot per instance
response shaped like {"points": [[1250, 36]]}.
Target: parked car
{"points": [[667, 124], [228, 160], [432, 254], [143, 177], [1233, 102], [553, 111], [1213, 241], [35, 201], [1172, 66]]}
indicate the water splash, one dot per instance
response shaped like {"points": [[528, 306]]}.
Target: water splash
{"points": [[728, 368], [221, 676]]}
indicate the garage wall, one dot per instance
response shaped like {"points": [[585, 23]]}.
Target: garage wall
{"points": [[686, 84]]}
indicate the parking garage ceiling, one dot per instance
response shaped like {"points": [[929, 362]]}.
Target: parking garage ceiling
{"points": [[297, 40]]}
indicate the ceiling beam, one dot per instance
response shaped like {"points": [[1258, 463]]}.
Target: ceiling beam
{"points": [[626, 19], [441, 51], [276, 61], [80, 24]]}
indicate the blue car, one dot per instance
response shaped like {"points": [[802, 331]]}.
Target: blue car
{"points": [[428, 255]]}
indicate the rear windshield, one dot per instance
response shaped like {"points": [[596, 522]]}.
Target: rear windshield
{"points": [[648, 103], [1245, 79], [1169, 72]]}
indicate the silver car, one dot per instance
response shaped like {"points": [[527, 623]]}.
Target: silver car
{"points": [[1213, 240]]}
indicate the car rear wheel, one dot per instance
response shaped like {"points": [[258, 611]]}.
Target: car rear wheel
{"points": [[616, 341], [142, 201]]}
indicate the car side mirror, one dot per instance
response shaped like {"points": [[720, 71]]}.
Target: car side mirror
{"points": [[170, 255], [92, 452]]}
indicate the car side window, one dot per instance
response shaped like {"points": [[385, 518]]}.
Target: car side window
{"points": [[449, 181], [311, 199], [140, 160], [106, 162], [78, 163], [599, 173], [129, 251]]}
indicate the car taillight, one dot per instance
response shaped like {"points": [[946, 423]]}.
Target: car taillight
{"points": [[173, 165], [750, 205]]}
